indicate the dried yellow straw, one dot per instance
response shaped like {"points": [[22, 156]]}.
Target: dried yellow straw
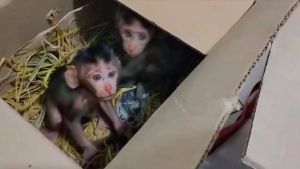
{"points": [[28, 76]]}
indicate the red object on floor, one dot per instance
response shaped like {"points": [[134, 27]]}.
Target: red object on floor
{"points": [[249, 108]]}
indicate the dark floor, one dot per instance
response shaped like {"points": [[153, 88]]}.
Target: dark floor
{"points": [[228, 155]]}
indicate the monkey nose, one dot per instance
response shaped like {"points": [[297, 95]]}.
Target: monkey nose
{"points": [[107, 88], [130, 51], [131, 48]]}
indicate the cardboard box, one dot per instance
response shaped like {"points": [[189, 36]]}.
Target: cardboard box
{"points": [[274, 136], [182, 131], [16, 13]]}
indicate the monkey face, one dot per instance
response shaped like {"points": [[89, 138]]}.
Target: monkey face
{"points": [[101, 78], [134, 37]]}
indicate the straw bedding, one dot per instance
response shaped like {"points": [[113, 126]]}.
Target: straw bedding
{"points": [[27, 74]]}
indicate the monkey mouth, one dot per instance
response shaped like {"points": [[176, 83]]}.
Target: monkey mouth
{"points": [[133, 54], [107, 97]]}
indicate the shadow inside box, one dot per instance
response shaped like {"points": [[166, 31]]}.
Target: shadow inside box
{"points": [[229, 154]]}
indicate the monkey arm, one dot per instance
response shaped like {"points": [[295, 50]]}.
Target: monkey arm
{"points": [[133, 68], [76, 131], [110, 111], [54, 121], [53, 115], [153, 70]]}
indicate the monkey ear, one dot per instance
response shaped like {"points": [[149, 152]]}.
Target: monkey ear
{"points": [[71, 77]]}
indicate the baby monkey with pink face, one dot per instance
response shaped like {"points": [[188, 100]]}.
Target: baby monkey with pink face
{"points": [[80, 89], [156, 59]]}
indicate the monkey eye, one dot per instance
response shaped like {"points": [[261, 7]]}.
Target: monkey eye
{"points": [[127, 34], [112, 74], [97, 77], [142, 36]]}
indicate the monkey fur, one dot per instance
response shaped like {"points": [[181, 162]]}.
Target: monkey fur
{"points": [[83, 88], [155, 59]]}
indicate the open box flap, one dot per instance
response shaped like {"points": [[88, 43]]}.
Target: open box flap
{"points": [[19, 24], [23, 148], [274, 139], [198, 23], [179, 133]]}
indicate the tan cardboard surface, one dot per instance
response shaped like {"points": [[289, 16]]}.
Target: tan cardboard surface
{"points": [[23, 148], [178, 134], [274, 140], [22, 20], [198, 23]]}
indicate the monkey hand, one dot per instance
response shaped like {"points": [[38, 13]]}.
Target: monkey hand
{"points": [[88, 153], [124, 128], [101, 125], [121, 126]]}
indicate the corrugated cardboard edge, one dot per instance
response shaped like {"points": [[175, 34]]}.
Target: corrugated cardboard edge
{"points": [[272, 37], [248, 161], [231, 105]]}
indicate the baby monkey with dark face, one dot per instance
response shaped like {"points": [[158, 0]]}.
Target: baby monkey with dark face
{"points": [[156, 59], [83, 88]]}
